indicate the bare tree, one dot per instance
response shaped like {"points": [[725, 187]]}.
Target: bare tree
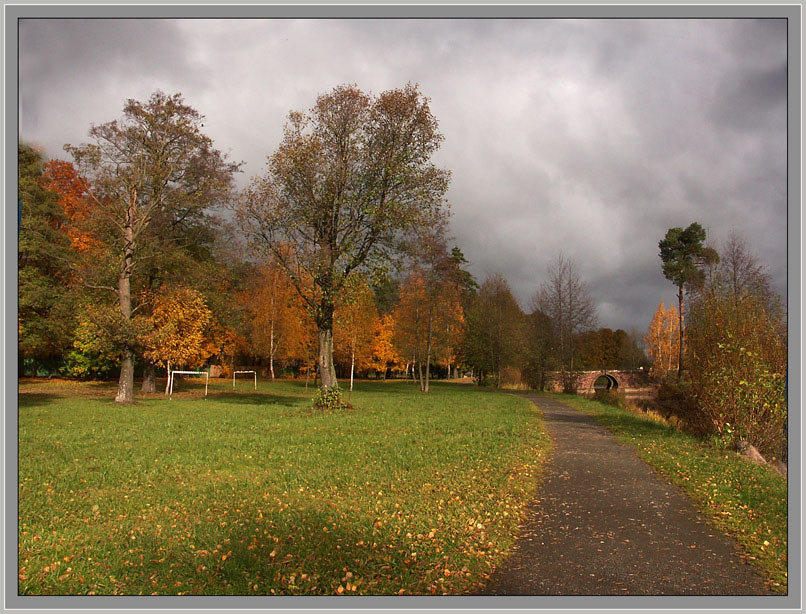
{"points": [[740, 272], [566, 300]]}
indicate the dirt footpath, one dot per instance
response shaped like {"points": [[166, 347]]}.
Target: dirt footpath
{"points": [[605, 523]]}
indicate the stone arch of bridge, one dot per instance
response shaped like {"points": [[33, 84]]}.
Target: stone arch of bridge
{"points": [[605, 382]]}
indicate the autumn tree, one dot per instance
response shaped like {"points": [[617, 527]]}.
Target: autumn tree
{"points": [[737, 352], [566, 300], [461, 279], [72, 190], [631, 351], [662, 340], [460, 289], [684, 257], [46, 309], [410, 319], [277, 316], [94, 352], [151, 170], [440, 307], [180, 330], [495, 331], [737, 349], [740, 273], [451, 330], [351, 177], [385, 355], [608, 349], [354, 325]]}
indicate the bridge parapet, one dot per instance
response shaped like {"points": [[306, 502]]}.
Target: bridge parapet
{"points": [[626, 380]]}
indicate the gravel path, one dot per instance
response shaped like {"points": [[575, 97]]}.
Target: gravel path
{"points": [[605, 523]]}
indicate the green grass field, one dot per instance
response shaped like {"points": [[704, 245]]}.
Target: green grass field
{"points": [[251, 493], [741, 498]]}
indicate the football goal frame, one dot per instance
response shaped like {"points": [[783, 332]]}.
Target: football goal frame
{"points": [[253, 372], [206, 375]]}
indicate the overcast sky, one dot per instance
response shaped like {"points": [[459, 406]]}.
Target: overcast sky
{"points": [[587, 136]]}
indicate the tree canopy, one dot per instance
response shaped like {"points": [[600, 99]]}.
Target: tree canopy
{"points": [[351, 180]]}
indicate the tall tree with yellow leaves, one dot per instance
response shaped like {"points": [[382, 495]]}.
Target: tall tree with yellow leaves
{"points": [[354, 323], [278, 316], [662, 340], [384, 353], [411, 322], [180, 330]]}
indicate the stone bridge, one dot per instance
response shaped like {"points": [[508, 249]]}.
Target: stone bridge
{"points": [[623, 381]]}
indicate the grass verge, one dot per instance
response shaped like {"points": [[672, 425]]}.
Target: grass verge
{"points": [[250, 493], [743, 499]]}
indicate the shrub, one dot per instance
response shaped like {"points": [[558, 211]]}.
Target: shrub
{"points": [[737, 348], [328, 399], [676, 400], [92, 354]]}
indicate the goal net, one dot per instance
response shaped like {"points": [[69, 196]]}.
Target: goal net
{"points": [[172, 374], [234, 373]]}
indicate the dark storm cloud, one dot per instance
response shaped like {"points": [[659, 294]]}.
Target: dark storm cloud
{"points": [[591, 137], [80, 71]]}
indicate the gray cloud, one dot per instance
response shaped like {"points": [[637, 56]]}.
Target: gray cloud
{"points": [[593, 137]]}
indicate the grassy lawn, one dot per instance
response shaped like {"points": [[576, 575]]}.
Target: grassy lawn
{"points": [[743, 499], [248, 492]]}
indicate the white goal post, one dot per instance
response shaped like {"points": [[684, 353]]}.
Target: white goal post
{"points": [[206, 375], [253, 372]]}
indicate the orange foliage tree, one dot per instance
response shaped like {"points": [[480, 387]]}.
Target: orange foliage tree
{"points": [[62, 178], [452, 326], [354, 324], [384, 353], [410, 321], [663, 341], [280, 324], [180, 330], [429, 322]]}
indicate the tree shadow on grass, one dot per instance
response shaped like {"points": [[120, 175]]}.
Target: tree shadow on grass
{"points": [[257, 398], [28, 400], [253, 551], [390, 386]]}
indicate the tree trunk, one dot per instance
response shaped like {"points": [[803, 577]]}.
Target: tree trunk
{"points": [[428, 351], [271, 351], [126, 381], [562, 361], [352, 365], [327, 370], [168, 381], [680, 332], [149, 379]]}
